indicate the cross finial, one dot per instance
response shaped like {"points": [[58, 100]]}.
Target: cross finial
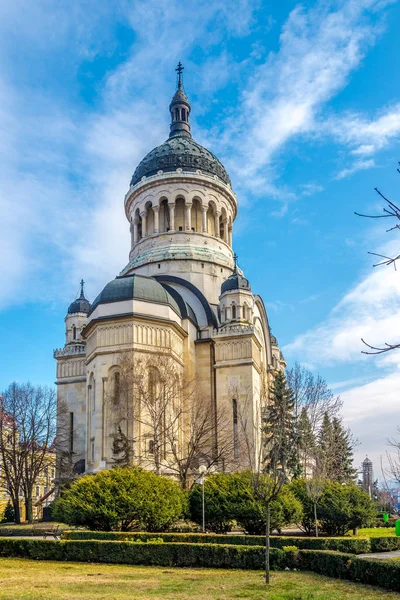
{"points": [[179, 70], [82, 291], [235, 258]]}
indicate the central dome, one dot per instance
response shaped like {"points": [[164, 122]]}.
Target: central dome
{"points": [[180, 151]]}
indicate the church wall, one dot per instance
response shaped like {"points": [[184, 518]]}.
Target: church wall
{"points": [[105, 344]]}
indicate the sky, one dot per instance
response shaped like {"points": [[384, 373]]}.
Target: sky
{"points": [[300, 101]]}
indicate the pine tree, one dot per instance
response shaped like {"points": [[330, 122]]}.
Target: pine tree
{"points": [[9, 515], [122, 449], [279, 428], [336, 449], [342, 469]]}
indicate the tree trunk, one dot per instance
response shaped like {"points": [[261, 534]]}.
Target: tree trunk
{"points": [[28, 509], [17, 512], [315, 519], [267, 545]]}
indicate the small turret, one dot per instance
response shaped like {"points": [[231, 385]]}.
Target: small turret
{"points": [[236, 301], [76, 318]]}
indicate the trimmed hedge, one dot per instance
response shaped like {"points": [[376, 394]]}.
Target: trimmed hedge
{"points": [[167, 555], [352, 545], [381, 573], [385, 544]]}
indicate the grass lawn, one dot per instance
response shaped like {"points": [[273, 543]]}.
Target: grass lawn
{"points": [[32, 580], [377, 532]]}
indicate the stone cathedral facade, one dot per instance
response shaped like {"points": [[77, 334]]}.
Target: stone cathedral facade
{"points": [[181, 292]]}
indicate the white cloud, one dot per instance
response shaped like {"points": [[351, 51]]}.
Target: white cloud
{"points": [[371, 310], [364, 137], [358, 165], [372, 412], [319, 49]]}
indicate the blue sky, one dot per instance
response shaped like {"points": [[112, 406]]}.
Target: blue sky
{"points": [[301, 102]]}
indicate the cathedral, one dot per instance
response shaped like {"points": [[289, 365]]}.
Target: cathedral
{"points": [[181, 293]]}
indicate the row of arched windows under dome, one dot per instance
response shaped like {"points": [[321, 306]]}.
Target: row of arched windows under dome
{"points": [[181, 216]]}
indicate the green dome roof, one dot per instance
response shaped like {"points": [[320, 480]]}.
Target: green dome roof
{"points": [[135, 287], [180, 151]]}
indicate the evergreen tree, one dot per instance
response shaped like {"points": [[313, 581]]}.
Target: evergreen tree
{"points": [[342, 469], [335, 444], [279, 428], [122, 449], [9, 514]]}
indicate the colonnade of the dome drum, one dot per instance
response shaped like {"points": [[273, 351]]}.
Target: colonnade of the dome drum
{"points": [[181, 215]]}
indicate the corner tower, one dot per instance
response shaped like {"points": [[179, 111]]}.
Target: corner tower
{"points": [[181, 208]]}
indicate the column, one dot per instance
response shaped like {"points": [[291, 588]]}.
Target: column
{"points": [[188, 216], [225, 231], [230, 236], [204, 218], [135, 230], [216, 219], [156, 220], [132, 235], [171, 208], [144, 223]]}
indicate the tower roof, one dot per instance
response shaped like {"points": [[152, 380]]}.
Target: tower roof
{"points": [[81, 304], [180, 150], [236, 281]]}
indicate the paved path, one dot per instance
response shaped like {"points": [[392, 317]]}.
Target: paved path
{"points": [[381, 555]]}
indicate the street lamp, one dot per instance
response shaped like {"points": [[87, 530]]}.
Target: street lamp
{"points": [[202, 471]]}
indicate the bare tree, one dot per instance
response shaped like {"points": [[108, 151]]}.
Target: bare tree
{"points": [[179, 429], [265, 421], [27, 430], [311, 392], [207, 439], [390, 211], [393, 469], [315, 484]]}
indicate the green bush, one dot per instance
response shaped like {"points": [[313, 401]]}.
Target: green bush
{"points": [[351, 545], [171, 555], [121, 499], [220, 496], [340, 509], [230, 497], [250, 512]]}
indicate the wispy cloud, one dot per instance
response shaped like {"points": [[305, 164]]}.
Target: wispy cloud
{"points": [[365, 137], [69, 160], [371, 310], [319, 49]]}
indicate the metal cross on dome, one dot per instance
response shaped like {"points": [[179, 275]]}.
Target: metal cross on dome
{"points": [[179, 70]]}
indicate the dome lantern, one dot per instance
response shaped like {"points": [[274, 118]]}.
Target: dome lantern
{"points": [[179, 108]]}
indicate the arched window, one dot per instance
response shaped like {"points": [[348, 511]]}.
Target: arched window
{"points": [[233, 311], [73, 332], [150, 448], [235, 429]]}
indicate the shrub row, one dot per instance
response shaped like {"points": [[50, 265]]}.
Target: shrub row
{"points": [[385, 544], [382, 573], [167, 555], [351, 545], [385, 574]]}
